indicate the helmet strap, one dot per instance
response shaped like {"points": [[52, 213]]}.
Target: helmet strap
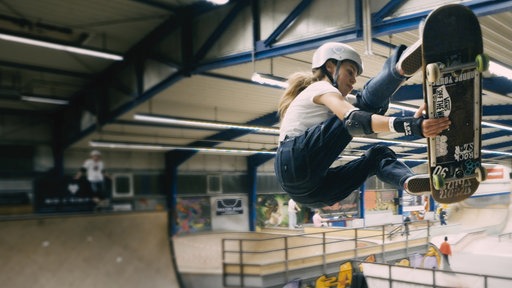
{"points": [[336, 73], [333, 77]]}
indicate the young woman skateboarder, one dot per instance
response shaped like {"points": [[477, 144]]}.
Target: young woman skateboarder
{"points": [[317, 123]]}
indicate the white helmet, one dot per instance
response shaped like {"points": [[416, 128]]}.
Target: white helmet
{"points": [[336, 51], [95, 153]]}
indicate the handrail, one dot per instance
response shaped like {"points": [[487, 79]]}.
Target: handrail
{"points": [[393, 274], [509, 234], [285, 253]]}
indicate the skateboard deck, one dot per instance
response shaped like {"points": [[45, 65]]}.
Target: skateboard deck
{"points": [[453, 60]]}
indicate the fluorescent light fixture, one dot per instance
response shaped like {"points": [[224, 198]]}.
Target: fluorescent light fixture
{"points": [[269, 79], [275, 130], [202, 124], [403, 107], [218, 2], [164, 147], [61, 47], [496, 125], [395, 142], [500, 70], [484, 123], [496, 152], [44, 100]]}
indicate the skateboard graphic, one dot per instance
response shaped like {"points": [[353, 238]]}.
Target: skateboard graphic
{"points": [[453, 60]]}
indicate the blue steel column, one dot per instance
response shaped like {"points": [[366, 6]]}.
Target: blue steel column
{"points": [[432, 203], [58, 148], [400, 202], [253, 162], [252, 171], [173, 159], [361, 200]]}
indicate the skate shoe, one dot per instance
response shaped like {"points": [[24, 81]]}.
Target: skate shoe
{"points": [[418, 184], [410, 61]]}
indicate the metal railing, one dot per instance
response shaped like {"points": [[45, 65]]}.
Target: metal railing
{"points": [[385, 275], [509, 235], [246, 258]]}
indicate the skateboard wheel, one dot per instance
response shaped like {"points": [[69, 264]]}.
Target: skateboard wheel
{"points": [[433, 72], [482, 62], [481, 174], [438, 182]]}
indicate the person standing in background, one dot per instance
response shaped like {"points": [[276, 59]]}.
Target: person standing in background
{"points": [[442, 216], [407, 221], [446, 250], [94, 167], [293, 208]]}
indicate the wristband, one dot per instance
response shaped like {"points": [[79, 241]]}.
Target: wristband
{"points": [[408, 125], [391, 124]]}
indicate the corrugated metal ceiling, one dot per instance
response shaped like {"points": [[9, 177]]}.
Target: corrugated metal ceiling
{"points": [[118, 25]]}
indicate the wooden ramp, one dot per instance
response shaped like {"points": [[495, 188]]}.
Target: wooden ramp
{"points": [[104, 250]]}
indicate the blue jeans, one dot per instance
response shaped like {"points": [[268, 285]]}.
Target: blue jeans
{"points": [[302, 163]]}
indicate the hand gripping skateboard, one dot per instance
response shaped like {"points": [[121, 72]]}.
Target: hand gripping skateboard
{"points": [[453, 60]]}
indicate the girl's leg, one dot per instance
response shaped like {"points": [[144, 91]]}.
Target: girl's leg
{"points": [[376, 93], [302, 162], [378, 160]]}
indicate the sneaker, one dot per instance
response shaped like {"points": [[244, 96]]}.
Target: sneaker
{"points": [[418, 184], [410, 60]]}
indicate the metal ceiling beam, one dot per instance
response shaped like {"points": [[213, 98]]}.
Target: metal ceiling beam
{"points": [[410, 22], [387, 10], [346, 35], [221, 28], [55, 71], [287, 22], [159, 5]]}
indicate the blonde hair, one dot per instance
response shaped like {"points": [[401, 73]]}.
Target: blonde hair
{"points": [[297, 82]]}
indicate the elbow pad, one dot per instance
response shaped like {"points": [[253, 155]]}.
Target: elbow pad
{"points": [[358, 123], [408, 125]]}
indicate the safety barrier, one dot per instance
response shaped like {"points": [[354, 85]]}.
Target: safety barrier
{"points": [[244, 260], [509, 235], [385, 275]]}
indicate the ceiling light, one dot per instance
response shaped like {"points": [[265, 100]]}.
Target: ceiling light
{"points": [[484, 123], [218, 2], [403, 107], [496, 152], [269, 79], [499, 70], [495, 125], [202, 124], [163, 147], [61, 47], [275, 130], [44, 100], [395, 142]]}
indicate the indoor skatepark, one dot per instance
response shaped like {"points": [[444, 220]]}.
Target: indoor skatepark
{"points": [[187, 137], [54, 251]]}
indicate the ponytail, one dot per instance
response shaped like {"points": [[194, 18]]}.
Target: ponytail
{"points": [[297, 83]]}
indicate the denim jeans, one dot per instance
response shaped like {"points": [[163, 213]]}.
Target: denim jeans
{"points": [[303, 163]]}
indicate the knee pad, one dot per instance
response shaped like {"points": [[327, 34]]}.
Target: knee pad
{"points": [[358, 122]]}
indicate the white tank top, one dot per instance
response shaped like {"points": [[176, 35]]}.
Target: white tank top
{"points": [[304, 113]]}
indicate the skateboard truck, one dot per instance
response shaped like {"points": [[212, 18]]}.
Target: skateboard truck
{"points": [[434, 70]]}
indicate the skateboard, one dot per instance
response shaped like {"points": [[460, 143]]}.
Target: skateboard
{"points": [[453, 61]]}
